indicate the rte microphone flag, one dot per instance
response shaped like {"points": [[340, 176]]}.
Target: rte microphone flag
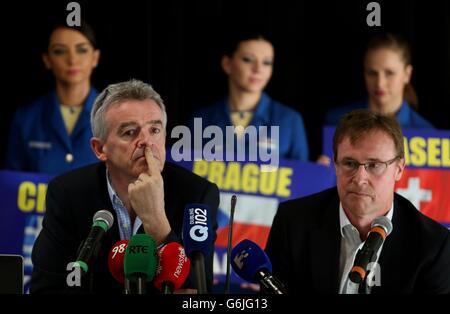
{"points": [[141, 260]]}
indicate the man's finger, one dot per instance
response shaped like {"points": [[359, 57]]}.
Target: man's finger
{"points": [[142, 177], [151, 161]]}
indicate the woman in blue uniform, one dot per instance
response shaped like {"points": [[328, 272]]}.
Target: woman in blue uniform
{"points": [[52, 134], [248, 63], [387, 73]]}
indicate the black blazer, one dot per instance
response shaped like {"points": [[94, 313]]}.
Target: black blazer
{"points": [[304, 247], [71, 202]]}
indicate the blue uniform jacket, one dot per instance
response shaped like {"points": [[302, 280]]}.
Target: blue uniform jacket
{"points": [[292, 135], [406, 116], [39, 142]]}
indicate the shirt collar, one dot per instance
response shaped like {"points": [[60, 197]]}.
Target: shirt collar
{"points": [[118, 205], [343, 219], [115, 199]]}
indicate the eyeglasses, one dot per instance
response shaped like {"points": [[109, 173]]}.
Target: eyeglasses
{"points": [[376, 168]]}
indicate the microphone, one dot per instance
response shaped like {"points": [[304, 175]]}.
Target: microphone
{"points": [[197, 240], [251, 263], [173, 268], [115, 264], [141, 260], [102, 221], [230, 239], [381, 228]]}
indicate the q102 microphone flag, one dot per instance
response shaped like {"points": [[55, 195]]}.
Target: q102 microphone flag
{"points": [[198, 239]]}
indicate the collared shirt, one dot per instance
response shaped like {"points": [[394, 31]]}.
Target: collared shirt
{"points": [[291, 143], [406, 116], [124, 221], [350, 244]]}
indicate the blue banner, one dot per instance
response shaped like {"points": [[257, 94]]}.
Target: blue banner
{"points": [[23, 207]]}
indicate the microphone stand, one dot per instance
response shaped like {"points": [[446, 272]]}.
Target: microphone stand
{"points": [[199, 267], [230, 237], [126, 288], [167, 287], [140, 285]]}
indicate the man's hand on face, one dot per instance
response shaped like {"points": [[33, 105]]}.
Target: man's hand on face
{"points": [[147, 199]]}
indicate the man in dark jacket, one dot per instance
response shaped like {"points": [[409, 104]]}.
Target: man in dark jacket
{"points": [[314, 240], [143, 192]]}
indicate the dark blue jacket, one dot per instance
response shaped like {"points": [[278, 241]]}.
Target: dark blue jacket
{"points": [[406, 116], [292, 143], [39, 142]]}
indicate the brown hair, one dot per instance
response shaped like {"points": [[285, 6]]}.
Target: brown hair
{"points": [[399, 44], [85, 29], [236, 38], [360, 122]]}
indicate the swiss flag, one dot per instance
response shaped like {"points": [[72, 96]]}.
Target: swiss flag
{"points": [[427, 189]]}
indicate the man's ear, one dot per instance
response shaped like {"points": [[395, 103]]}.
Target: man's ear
{"points": [[226, 64], [400, 167], [98, 148]]}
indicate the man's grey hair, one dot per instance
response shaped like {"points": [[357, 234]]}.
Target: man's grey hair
{"points": [[116, 94]]}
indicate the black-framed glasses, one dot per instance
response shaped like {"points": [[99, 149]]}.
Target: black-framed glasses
{"points": [[375, 167]]}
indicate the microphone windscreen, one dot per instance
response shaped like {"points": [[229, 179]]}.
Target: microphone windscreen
{"points": [[173, 267], [115, 260], [247, 258], [384, 223], [105, 217], [197, 232], [141, 258]]}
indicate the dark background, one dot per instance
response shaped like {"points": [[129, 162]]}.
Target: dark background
{"points": [[176, 45]]}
